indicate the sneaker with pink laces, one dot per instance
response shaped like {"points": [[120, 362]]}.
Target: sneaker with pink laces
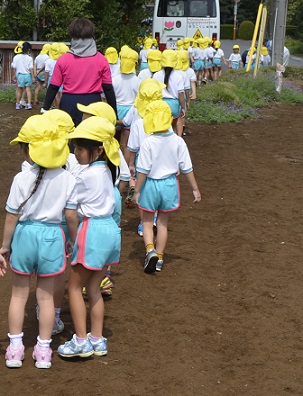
{"points": [[14, 356], [43, 357]]}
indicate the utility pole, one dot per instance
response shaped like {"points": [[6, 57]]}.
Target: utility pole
{"points": [[235, 18], [279, 11], [35, 31]]}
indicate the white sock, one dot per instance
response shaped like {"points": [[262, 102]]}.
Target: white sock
{"points": [[15, 339], [43, 343]]}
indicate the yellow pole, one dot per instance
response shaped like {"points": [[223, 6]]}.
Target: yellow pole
{"points": [[260, 41], [253, 42]]}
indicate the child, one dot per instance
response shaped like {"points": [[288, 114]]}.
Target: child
{"points": [[111, 54], [162, 155], [218, 59], [173, 94], [154, 65], [150, 90], [24, 72], [32, 232], [143, 55], [54, 54], [98, 241], [235, 60], [39, 66]]}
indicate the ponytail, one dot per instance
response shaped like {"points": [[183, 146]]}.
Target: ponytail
{"points": [[39, 177], [167, 71]]}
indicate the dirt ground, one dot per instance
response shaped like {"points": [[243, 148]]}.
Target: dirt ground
{"points": [[225, 315]]}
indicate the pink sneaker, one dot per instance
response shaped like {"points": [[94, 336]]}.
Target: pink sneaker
{"points": [[43, 357], [14, 357]]}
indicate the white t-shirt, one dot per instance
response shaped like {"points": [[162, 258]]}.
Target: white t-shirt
{"points": [[126, 87], [124, 170], [210, 51], [235, 57], [95, 191], [162, 155], [219, 53], [56, 191], [144, 74], [23, 63], [199, 53], [114, 68], [143, 55], [136, 136], [40, 61], [50, 65], [185, 77], [191, 74], [175, 84], [131, 116]]}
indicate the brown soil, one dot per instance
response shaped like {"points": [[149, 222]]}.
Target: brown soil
{"points": [[224, 317]]}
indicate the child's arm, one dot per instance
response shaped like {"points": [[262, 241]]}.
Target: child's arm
{"points": [[193, 95], [192, 181], [72, 223], [11, 220], [139, 184], [131, 163], [3, 266], [46, 79]]}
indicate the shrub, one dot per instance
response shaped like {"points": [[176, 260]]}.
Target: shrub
{"points": [[246, 30], [226, 32]]}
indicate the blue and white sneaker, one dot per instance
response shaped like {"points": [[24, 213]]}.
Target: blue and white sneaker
{"points": [[155, 218], [140, 229], [150, 262], [159, 265], [58, 327], [72, 348], [100, 347]]}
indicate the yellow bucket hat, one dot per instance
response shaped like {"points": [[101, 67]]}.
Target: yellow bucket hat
{"points": [[150, 90], [157, 117], [63, 48], [125, 48], [183, 60], [154, 60], [111, 54], [169, 58], [179, 44], [101, 130], [264, 50], [186, 42], [47, 145], [62, 119], [100, 109], [18, 48], [45, 49], [148, 42], [217, 44], [128, 61], [54, 51]]}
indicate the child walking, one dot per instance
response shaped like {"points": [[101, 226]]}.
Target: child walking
{"points": [[162, 155], [24, 71], [98, 241], [32, 233]]}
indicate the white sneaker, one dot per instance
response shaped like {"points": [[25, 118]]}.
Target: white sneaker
{"points": [[42, 111], [23, 102]]}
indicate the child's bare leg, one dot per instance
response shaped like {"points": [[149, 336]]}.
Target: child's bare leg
{"points": [[96, 303], [18, 94], [20, 293], [148, 229], [78, 278], [45, 299], [29, 94], [162, 231]]}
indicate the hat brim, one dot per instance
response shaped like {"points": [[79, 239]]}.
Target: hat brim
{"points": [[85, 109]]}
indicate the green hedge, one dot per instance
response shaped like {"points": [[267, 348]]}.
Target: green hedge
{"points": [[226, 32], [246, 30], [292, 31]]}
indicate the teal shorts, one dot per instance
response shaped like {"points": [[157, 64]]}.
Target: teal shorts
{"points": [[38, 248], [198, 65], [98, 243], [174, 105], [160, 194], [24, 80], [217, 62]]}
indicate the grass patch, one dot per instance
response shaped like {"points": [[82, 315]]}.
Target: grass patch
{"points": [[8, 93], [238, 95]]}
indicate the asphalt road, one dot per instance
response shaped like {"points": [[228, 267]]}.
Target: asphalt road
{"points": [[227, 46]]}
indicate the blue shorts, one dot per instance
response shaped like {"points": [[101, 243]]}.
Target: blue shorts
{"points": [[208, 64], [198, 65], [122, 111], [160, 194], [41, 77], [24, 80], [38, 248], [235, 65], [143, 65], [118, 207], [98, 243], [174, 105], [69, 102], [217, 62]]}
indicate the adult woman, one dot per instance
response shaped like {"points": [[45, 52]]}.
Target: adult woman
{"points": [[83, 71]]}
